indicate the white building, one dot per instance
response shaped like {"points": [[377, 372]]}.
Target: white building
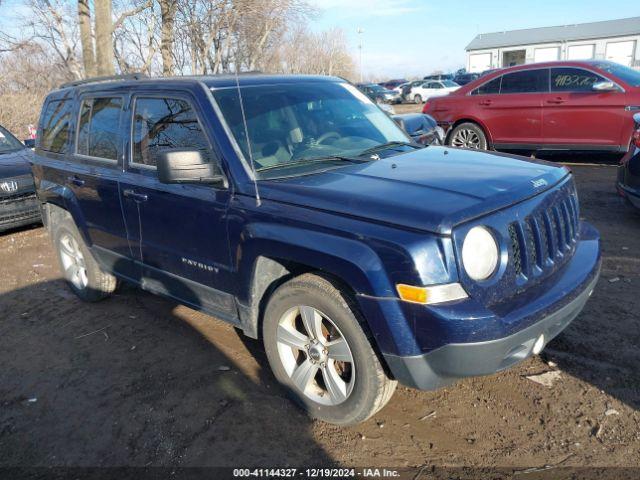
{"points": [[616, 40]]}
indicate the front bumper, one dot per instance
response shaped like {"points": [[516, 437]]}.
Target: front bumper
{"points": [[19, 210], [451, 362]]}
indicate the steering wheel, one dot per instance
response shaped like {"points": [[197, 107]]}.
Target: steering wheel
{"points": [[325, 136]]}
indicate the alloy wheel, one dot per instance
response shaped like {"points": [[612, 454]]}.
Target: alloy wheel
{"points": [[315, 355], [466, 138], [73, 264]]}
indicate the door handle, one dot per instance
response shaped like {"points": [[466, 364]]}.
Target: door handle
{"points": [[76, 181], [485, 103], [556, 100], [136, 197]]}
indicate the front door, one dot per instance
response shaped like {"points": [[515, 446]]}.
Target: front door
{"points": [[178, 231], [576, 115]]}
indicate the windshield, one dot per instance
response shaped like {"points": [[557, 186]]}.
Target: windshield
{"points": [[290, 123], [626, 74], [449, 83], [8, 143]]}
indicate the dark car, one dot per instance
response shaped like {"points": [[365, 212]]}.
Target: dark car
{"points": [[421, 128], [629, 170], [18, 204], [464, 78], [295, 209], [391, 84], [379, 94], [567, 105]]}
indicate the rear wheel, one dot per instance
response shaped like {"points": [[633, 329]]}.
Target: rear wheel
{"points": [[468, 135], [417, 99], [319, 351], [83, 274]]}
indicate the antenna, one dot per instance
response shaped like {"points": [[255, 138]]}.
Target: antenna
{"points": [[246, 133]]}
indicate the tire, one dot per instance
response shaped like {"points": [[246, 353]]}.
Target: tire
{"points": [[417, 99], [468, 135], [354, 390], [80, 270]]}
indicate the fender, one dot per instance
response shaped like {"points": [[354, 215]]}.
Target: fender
{"points": [[350, 261], [61, 196]]}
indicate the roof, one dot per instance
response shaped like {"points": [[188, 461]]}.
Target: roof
{"points": [[211, 81], [581, 31]]}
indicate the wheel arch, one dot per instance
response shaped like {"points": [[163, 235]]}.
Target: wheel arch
{"points": [[475, 121]]}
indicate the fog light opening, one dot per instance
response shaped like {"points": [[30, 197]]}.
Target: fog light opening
{"points": [[539, 345]]}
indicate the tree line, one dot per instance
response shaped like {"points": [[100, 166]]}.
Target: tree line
{"points": [[51, 41]]}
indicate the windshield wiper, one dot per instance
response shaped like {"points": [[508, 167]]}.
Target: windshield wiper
{"points": [[310, 161], [384, 146]]}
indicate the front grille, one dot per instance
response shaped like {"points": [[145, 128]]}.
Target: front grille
{"points": [[18, 208], [544, 237]]}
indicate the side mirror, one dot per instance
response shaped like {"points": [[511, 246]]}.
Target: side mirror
{"points": [[605, 86], [187, 166], [29, 142]]}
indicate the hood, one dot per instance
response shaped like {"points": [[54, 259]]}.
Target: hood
{"points": [[16, 163], [432, 189]]}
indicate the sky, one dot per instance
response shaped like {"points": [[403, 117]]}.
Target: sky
{"points": [[413, 38]]}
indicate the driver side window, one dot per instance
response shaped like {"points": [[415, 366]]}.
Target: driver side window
{"points": [[161, 124]]}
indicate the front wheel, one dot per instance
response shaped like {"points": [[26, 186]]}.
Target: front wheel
{"points": [[468, 135], [318, 349]]}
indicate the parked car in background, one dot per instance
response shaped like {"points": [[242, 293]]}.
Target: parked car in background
{"points": [[439, 76], [431, 89], [421, 128], [392, 84], [464, 78], [628, 184], [294, 209], [18, 204], [405, 89], [379, 94], [584, 105]]}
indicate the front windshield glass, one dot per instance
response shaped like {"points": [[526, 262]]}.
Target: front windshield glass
{"points": [[295, 123], [8, 143], [626, 74]]}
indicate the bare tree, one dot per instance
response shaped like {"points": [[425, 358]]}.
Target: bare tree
{"points": [[86, 38], [104, 43], [168, 9]]}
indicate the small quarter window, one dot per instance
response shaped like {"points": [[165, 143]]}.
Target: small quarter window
{"points": [[161, 124], [55, 124], [489, 88], [99, 127]]}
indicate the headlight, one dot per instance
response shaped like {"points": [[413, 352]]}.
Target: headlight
{"points": [[480, 253]]}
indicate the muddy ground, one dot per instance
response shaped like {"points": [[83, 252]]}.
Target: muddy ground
{"points": [[137, 380]]}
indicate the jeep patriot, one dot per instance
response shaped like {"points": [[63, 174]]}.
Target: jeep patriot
{"points": [[295, 209]]}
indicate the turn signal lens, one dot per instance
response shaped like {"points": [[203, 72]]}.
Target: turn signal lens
{"points": [[431, 295]]}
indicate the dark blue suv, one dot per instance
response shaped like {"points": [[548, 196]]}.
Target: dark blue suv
{"points": [[298, 211]]}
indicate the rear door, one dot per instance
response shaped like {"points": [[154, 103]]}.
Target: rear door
{"points": [[93, 173], [514, 116], [577, 116], [178, 232]]}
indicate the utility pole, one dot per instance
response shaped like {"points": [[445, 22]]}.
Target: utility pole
{"points": [[360, 31]]}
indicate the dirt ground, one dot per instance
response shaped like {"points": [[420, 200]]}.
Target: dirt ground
{"points": [[137, 380]]}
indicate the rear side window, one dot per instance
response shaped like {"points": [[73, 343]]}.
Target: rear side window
{"points": [[528, 81], [489, 88], [99, 128], [55, 122], [573, 80], [161, 124]]}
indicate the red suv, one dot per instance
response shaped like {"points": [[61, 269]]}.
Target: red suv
{"points": [[584, 105]]}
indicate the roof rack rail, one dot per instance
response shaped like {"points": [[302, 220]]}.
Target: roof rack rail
{"points": [[107, 78]]}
